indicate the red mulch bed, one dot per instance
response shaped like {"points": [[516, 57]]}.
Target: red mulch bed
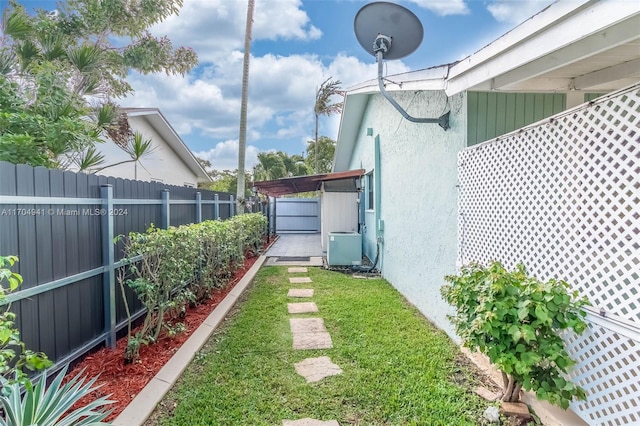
{"points": [[124, 381]]}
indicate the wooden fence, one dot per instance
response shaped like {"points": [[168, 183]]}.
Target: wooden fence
{"points": [[62, 226]]}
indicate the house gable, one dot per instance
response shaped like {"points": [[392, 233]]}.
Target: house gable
{"points": [[170, 161]]}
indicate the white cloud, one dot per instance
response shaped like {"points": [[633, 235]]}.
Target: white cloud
{"points": [[350, 70], [515, 11], [220, 25], [444, 7], [281, 93], [205, 105], [224, 156]]}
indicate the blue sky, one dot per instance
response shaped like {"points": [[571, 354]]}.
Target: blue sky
{"points": [[296, 45]]}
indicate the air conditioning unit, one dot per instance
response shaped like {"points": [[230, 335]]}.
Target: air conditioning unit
{"points": [[344, 249]]}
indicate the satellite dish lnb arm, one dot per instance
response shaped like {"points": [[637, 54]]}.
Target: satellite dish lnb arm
{"points": [[442, 121]]}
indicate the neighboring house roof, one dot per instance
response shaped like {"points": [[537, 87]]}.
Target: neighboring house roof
{"points": [[166, 131], [586, 45], [344, 182]]}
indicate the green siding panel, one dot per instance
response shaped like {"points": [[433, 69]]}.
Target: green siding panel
{"points": [[588, 97], [510, 120], [472, 122], [481, 130], [492, 114], [519, 112], [501, 111]]}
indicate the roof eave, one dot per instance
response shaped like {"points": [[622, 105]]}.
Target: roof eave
{"points": [[563, 33], [162, 125]]}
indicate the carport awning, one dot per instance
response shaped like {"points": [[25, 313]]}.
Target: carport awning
{"points": [[346, 181]]}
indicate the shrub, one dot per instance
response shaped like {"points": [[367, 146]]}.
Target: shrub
{"points": [[182, 265], [53, 405], [515, 320], [14, 356]]}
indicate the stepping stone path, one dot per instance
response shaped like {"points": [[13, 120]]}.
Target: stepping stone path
{"points": [[302, 307], [319, 340], [306, 325], [309, 333], [300, 292], [316, 369]]}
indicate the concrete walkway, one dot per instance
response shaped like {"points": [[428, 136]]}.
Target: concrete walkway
{"points": [[295, 250], [296, 245]]}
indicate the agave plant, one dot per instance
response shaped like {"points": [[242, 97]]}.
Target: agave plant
{"points": [[52, 406]]}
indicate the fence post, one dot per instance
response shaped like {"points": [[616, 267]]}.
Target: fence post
{"points": [[166, 209], [108, 260], [198, 207], [232, 206], [216, 207]]}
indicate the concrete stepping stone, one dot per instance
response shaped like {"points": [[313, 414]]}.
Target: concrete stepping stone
{"points": [[316, 369], [300, 292], [299, 280], [309, 422], [317, 340], [306, 325], [296, 270], [302, 307]]}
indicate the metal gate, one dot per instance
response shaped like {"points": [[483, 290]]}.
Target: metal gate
{"points": [[295, 215]]}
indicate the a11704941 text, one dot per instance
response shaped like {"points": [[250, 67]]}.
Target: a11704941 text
{"points": [[63, 212]]}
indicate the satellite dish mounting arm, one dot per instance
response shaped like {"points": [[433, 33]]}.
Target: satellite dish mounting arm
{"points": [[381, 45]]}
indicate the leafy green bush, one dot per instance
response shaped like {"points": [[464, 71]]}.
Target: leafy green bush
{"points": [[52, 406], [14, 356], [515, 320], [182, 265]]}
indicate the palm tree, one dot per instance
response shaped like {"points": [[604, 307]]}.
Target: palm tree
{"points": [[323, 106], [242, 138]]}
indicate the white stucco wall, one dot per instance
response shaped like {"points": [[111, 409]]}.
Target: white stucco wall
{"points": [[418, 194], [339, 213], [163, 164]]}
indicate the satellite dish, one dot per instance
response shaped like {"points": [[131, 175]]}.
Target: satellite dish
{"points": [[390, 31], [393, 21]]}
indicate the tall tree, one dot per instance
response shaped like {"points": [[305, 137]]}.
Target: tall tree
{"points": [[320, 154], [63, 71], [225, 181], [242, 139], [277, 165], [324, 106]]}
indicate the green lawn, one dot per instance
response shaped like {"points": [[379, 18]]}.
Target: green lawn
{"points": [[398, 368]]}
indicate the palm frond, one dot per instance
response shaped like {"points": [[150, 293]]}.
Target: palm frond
{"points": [[139, 147], [106, 115], [26, 52], [84, 58], [89, 159], [87, 84], [7, 62], [52, 47], [15, 22], [325, 92]]}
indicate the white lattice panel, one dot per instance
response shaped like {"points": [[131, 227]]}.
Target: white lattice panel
{"points": [[609, 371], [563, 197]]}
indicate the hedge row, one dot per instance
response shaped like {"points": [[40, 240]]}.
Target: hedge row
{"points": [[182, 265]]}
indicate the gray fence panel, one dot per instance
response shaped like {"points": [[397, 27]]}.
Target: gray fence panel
{"points": [[297, 215], [43, 226], [61, 240]]}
